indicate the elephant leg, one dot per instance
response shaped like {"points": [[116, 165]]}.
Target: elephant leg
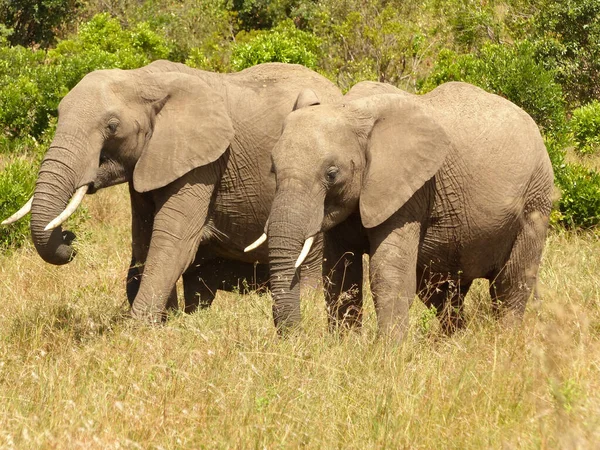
{"points": [[142, 220], [201, 284], [182, 210], [513, 284], [393, 273], [343, 248]]}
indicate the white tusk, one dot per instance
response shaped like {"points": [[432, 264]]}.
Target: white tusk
{"points": [[70, 209], [257, 243], [304, 253], [20, 213]]}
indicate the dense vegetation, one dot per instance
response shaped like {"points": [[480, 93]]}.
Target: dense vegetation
{"points": [[543, 55]]}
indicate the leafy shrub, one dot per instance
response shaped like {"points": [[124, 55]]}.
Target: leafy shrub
{"points": [[567, 35], [579, 204], [17, 180], [264, 14], [509, 71], [285, 43], [585, 126], [33, 82], [36, 21], [370, 40], [103, 44], [474, 22]]}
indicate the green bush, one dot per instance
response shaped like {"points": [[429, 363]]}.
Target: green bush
{"points": [[370, 40], [17, 180], [285, 44], [33, 82], [567, 36], [103, 44], [474, 22], [36, 21], [509, 71], [579, 204], [585, 126], [264, 14]]}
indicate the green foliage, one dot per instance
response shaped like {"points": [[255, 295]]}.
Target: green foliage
{"points": [[509, 71], [36, 21], [585, 126], [285, 43], [17, 180], [474, 23], [204, 25], [579, 204], [103, 44], [33, 82], [264, 14], [370, 40], [568, 41]]}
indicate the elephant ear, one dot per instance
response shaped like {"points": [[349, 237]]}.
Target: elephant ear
{"points": [[191, 129], [406, 147], [307, 97]]}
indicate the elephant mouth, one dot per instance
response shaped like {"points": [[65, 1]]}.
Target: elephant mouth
{"points": [[92, 188], [109, 173]]}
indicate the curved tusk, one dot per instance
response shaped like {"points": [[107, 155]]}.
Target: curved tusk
{"points": [[20, 213], [305, 249], [257, 243], [70, 209]]}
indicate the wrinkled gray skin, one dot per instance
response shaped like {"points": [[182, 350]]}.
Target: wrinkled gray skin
{"points": [[194, 147], [438, 189]]}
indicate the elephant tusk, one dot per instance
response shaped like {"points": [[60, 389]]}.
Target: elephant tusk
{"points": [[70, 209], [257, 243], [305, 249], [20, 213]]}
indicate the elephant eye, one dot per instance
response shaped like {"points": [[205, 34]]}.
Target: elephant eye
{"points": [[332, 174], [112, 126]]}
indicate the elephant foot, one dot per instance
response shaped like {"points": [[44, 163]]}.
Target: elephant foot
{"points": [[146, 315]]}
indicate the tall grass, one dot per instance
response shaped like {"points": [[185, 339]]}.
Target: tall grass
{"points": [[74, 373]]}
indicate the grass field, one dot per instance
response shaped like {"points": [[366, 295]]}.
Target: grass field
{"points": [[75, 374]]}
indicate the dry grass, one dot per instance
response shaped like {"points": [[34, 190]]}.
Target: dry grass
{"points": [[75, 374]]}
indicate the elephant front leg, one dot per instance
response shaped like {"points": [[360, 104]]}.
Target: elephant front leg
{"points": [[393, 267], [182, 210], [142, 221]]}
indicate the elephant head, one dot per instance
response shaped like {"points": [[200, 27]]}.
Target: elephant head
{"points": [[120, 126], [368, 154]]}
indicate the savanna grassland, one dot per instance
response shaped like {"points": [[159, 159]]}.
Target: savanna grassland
{"points": [[75, 373]]}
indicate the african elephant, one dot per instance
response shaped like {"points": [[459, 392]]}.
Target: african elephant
{"points": [[437, 189], [195, 148]]}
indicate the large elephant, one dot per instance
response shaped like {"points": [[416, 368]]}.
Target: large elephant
{"points": [[438, 189], [195, 148]]}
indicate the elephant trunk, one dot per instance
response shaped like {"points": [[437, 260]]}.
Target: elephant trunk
{"points": [[60, 174], [290, 225]]}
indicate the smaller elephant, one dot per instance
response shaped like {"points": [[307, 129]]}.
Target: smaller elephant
{"points": [[438, 190]]}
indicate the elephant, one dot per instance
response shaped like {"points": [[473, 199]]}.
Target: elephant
{"points": [[438, 189], [195, 149]]}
